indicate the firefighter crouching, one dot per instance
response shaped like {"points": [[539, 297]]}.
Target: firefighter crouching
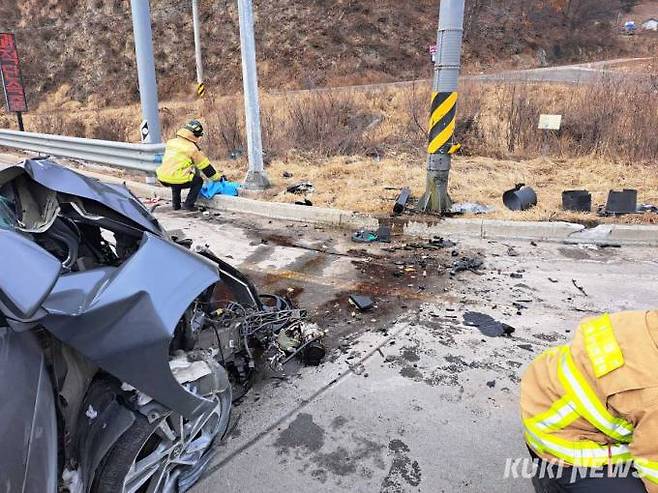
{"points": [[182, 162], [591, 408]]}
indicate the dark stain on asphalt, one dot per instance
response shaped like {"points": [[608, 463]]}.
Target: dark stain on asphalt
{"points": [[338, 422], [574, 253], [403, 472], [343, 462], [410, 354], [302, 433], [411, 372]]}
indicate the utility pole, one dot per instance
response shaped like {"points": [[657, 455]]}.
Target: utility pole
{"points": [[148, 87], [441, 144], [197, 43], [256, 178]]}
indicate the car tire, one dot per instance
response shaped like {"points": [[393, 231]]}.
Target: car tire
{"points": [[122, 468]]}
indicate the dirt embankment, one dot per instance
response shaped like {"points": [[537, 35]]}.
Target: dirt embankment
{"points": [[301, 44]]}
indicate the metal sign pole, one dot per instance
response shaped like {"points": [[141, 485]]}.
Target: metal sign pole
{"points": [[256, 178], [444, 104], [19, 117], [148, 88], [197, 43]]}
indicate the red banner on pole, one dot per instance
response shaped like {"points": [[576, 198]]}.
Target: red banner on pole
{"points": [[10, 71]]}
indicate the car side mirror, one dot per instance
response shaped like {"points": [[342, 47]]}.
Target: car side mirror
{"points": [[28, 274]]}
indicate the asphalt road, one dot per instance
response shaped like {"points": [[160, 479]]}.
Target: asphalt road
{"points": [[410, 399], [582, 73]]}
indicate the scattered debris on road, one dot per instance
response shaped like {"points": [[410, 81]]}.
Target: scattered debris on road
{"points": [[301, 188], [364, 236], [520, 198], [579, 287], [489, 326], [401, 201], [577, 200], [472, 264], [363, 303]]}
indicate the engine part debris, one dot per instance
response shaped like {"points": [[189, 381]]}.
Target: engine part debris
{"points": [[472, 264], [304, 202], [489, 326], [401, 201], [520, 198], [363, 303]]}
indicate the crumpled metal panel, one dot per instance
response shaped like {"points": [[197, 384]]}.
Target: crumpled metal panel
{"points": [[64, 180], [28, 455], [24, 260], [123, 319]]}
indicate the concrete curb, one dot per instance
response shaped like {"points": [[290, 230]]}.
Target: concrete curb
{"points": [[616, 234]]}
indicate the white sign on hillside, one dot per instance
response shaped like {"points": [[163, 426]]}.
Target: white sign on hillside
{"points": [[550, 122]]}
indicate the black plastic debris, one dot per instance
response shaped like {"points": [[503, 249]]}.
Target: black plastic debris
{"points": [[472, 264], [305, 202], [488, 325], [363, 303], [384, 233], [621, 202], [441, 242], [577, 200], [301, 188], [313, 353], [401, 201], [648, 208], [579, 287], [287, 174], [520, 198]]}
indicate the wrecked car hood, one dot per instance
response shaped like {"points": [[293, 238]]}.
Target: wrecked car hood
{"points": [[60, 179], [123, 318]]}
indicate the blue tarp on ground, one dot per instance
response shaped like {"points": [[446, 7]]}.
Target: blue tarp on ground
{"points": [[213, 188]]}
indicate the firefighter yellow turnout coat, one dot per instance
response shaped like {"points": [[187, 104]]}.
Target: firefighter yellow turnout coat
{"points": [[182, 157], [595, 402]]}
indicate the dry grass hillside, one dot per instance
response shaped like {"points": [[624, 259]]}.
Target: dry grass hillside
{"points": [[88, 44]]}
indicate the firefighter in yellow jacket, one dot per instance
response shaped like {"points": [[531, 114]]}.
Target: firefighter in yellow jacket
{"points": [[591, 408], [182, 162]]}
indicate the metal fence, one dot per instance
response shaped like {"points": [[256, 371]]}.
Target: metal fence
{"points": [[143, 157]]}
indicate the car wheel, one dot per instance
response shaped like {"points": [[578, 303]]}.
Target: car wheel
{"points": [[165, 456]]}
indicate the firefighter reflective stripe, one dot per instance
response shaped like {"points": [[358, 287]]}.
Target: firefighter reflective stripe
{"points": [[442, 121], [601, 345], [588, 404], [583, 453], [561, 414], [647, 469]]}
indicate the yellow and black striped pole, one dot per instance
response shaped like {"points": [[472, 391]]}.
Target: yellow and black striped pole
{"points": [[443, 111], [443, 116]]}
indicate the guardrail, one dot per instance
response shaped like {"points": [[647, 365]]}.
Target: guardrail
{"points": [[143, 157]]}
